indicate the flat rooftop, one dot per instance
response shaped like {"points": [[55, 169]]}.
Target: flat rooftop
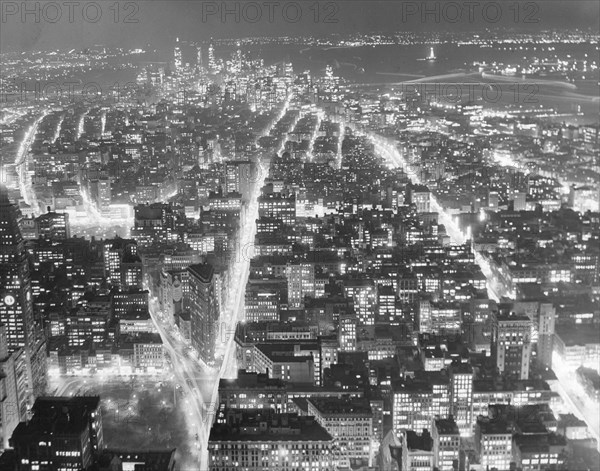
{"points": [[345, 406], [264, 425], [582, 334], [446, 427]]}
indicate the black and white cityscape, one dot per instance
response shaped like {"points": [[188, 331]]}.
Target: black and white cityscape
{"points": [[313, 235]]}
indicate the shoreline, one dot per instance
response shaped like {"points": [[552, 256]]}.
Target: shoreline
{"points": [[504, 78]]}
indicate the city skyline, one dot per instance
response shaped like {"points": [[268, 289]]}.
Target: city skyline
{"points": [[368, 244]]}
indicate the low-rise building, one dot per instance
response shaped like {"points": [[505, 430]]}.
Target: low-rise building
{"points": [[262, 439], [252, 391], [349, 421], [417, 451], [493, 443], [446, 444]]}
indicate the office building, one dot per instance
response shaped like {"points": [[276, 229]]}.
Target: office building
{"points": [[417, 451], [300, 283], [363, 293], [511, 344], [252, 391], [493, 443], [259, 440], [418, 401], [53, 226], [63, 433], [350, 423], [240, 176], [347, 332], [204, 310], [446, 444], [16, 299], [546, 328], [14, 393], [461, 396]]}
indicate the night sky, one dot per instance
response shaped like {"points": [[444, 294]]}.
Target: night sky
{"points": [[159, 22]]}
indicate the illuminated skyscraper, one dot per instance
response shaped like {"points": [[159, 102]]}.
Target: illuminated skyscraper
{"points": [[100, 192], [16, 303], [546, 329], [235, 65], [204, 310], [16, 308], [177, 57], [347, 333], [330, 86], [364, 295], [199, 62], [212, 64], [240, 176], [461, 396], [13, 389], [301, 282]]}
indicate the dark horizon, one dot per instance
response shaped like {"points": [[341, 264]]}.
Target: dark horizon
{"points": [[135, 24]]}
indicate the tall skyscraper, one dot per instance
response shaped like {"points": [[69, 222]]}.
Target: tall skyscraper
{"points": [[13, 389], [237, 59], [240, 176], [347, 332], [364, 295], [546, 330], [199, 61], [177, 56], [204, 310], [329, 89], [212, 63], [16, 299], [461, 396], [100, 192], [300, 282], [16, 309]]}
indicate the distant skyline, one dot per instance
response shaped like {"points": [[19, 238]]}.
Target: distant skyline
{"points": [[160, 22]]}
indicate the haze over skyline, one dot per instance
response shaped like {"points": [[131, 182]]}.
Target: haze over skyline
{"points": [[59, 25]]}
